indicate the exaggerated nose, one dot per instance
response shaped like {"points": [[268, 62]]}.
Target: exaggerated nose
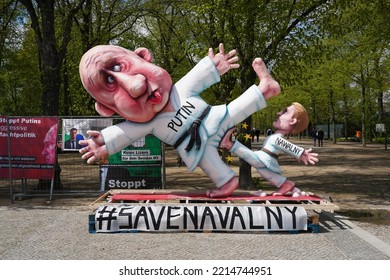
{"points": [[134, 85]]}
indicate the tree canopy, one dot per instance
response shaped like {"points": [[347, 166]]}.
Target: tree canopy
{"points": [[332, 56]]}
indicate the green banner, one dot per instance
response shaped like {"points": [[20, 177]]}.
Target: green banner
{"points": [[136, 167]]}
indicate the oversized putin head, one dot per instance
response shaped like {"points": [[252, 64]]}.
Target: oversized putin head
{"points": [[125, 82]]}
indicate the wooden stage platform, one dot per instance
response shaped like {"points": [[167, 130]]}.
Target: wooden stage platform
{"points": [[165, 196]]}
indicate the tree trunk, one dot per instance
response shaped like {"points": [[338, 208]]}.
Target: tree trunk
{"points": [[363, 134], [50, 62], [248, 77], [50, 55], [51, 83], [332, 115], [65, 81]]}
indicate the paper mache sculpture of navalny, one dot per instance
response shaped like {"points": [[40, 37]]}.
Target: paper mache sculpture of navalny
{"points": [[129, 84], [292, 120]]}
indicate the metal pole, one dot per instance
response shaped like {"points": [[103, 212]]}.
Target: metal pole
{"points": [[385, 137], [9, 161], [164, 179]]}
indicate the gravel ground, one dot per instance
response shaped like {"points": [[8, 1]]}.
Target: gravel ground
{"points": [[61, 233]]}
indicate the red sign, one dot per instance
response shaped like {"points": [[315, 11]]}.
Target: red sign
{"points": [[31, 143]]}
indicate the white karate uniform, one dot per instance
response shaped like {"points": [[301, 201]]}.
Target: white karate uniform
{"points": [[188, 106], [265, 164]]}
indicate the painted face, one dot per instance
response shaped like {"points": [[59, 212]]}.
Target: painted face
{"points": [[50, 145], [125, 82], [285, 120], [73, 134]]}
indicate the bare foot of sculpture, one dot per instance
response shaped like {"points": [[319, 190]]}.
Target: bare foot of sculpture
{"points": [[268, 85], [225, 190]]}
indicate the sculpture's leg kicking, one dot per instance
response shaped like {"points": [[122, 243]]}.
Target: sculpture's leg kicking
{"points": [[253, 99], [239, 109], [223, 177]]}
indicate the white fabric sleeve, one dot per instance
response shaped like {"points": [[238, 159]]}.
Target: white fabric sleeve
{"points": [[201, 77], [118, 137]]}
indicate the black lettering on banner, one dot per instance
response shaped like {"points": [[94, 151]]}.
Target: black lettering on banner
{"points": [[236, 213], [162, 218], [129, 215], [294, 217], [170, 216], [223, 220], [156, 224], [207, 212], [278, 217], [108, 218], [193, 216], [141, 213], [251, 221]]}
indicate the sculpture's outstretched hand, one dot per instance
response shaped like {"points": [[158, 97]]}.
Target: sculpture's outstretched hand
{"points": [[309, 157], [95, 147], [224, 62]]}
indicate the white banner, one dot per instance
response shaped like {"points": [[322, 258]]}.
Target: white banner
{"points": [[163, 218]]}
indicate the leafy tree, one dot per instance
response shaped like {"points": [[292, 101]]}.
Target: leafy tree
{"points": [[51, 46], [18, 71], [332, 56], [98, 23], [8, 14], [273, 30], [365, 38], [277, 31], [20, 80]]}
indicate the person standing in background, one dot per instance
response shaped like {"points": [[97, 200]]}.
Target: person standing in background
{"points": [[320, 137]]}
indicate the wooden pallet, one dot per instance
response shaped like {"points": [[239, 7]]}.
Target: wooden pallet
{"points": [[309, 202]]}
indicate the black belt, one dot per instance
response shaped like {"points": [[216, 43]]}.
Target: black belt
{"points": [[270, 153], [194, 131]]}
